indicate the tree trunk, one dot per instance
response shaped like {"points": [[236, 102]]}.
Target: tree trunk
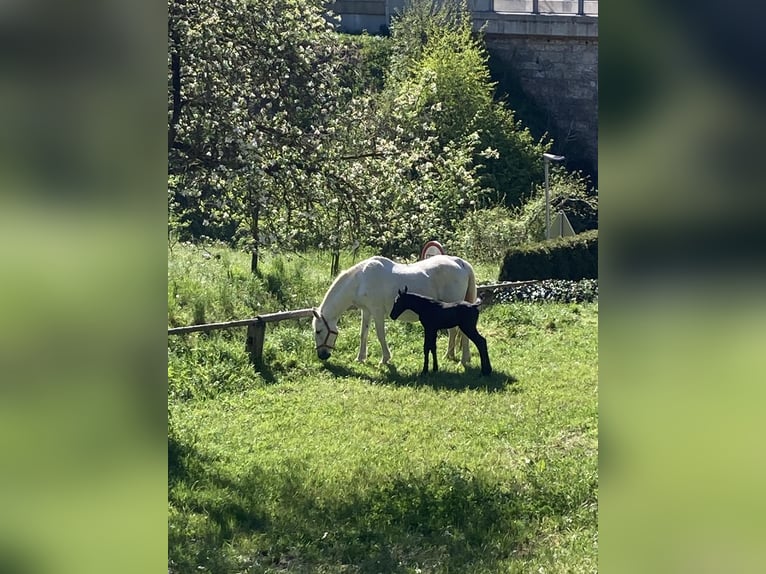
{"points": [[335, 267], [255, 210], [175, 71]]}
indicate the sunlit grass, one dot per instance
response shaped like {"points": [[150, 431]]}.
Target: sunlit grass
{"points": [[346, 467]]}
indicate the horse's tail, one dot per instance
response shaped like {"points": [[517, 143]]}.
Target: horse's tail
{"points": [[470, 293]]}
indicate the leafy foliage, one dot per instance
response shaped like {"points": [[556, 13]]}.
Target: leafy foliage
{"points": [[367, 60], [485, 234], [569, 192], [438, 56], [283, 133]]}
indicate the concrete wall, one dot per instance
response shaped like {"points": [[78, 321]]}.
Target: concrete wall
{"points": [[370, 15], [554, 62]]}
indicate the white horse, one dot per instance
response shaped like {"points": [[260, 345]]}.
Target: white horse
{"points": [[372, 285]]}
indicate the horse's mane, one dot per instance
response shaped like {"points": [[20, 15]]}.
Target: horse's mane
{"points": [[342, 278], [348, 274]]}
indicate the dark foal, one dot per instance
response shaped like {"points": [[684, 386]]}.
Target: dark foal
{"points": [[435, 315]]}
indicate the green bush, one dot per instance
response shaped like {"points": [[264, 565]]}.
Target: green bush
{"points": [[571, 258], [567, 191], [441, 65], [485, 234], [367, 59]]}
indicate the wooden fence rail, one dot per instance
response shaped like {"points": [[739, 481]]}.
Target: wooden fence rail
{"points": [[256, 330], [268, 318], [256, 326]]}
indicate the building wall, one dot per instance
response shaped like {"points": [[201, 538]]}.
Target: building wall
{"points": [[370, 15], [560, 75]]}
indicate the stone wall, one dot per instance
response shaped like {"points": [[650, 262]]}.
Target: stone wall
{"points": [[553, 61]]}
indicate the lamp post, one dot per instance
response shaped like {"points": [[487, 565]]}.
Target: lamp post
{"points": [[547, 158]]}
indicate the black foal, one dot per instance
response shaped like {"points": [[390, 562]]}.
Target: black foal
{"points": [[435, 315]]}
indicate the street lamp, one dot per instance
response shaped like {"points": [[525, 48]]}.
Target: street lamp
{"points": [[547, 158]]}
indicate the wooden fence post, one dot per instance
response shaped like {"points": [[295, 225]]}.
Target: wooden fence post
{"points": [[256, 333]]}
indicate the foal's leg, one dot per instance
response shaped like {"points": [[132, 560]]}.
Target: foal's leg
{"points": [[426, 350], [380, 329], [481, 344], [366, 316], [429, 346], [432, 343], [466, 360]]}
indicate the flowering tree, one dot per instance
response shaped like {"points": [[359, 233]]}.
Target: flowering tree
{"points": [[253, 87], [274, 135]]}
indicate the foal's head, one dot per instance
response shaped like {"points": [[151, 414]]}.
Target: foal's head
{"points": [[401, 303]]}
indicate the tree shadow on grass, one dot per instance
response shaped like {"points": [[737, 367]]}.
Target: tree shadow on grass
{"points": [[445, 517], [207, 511], [470, 379]]}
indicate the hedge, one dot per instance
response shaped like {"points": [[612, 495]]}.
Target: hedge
{"points": [[571, 258]]}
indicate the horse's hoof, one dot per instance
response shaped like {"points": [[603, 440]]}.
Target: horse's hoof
{"points": [[361, 359]]}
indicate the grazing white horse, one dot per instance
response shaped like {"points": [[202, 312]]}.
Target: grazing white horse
{"points": [[373, 284]]}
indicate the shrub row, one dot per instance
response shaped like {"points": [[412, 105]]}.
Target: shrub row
{"points": [[550, 290], [570, 258]]}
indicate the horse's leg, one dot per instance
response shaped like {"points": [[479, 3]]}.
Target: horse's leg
{"points": [[481, 345], [366, 316], [453, 337], [380, 329], [433, 349]]}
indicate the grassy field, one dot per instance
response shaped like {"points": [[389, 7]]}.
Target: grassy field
{"points": [[346, 467]]}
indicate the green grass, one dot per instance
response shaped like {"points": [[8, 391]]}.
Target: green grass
{"points": [[346, 467]]}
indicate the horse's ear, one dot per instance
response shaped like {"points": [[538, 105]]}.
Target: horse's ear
{"points": [[405, 288], [399, 291]]}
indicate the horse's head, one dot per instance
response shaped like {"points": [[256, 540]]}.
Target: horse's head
{"points": [[400, 305], [325, 335]]}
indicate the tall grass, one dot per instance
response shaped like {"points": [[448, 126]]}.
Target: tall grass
{"points": [[344, 467], [214, 283]]}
